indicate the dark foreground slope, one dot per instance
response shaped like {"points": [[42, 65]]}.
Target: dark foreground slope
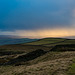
{"points": [[48, 64], [14, 49]]}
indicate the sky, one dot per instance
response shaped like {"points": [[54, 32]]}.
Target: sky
{"points": [[37, 18]]}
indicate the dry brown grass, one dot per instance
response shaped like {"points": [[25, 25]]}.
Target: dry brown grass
{"points": [[57, 66]]}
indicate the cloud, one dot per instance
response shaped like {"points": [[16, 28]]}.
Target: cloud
{"points": [[35, 14], [37, 18], [42, 33]]}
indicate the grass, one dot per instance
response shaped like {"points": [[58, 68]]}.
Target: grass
{"points": [[53, 56], [68, 41], [46, 41], [51, 63], [71, 71], [49, 42], [25, 48]]}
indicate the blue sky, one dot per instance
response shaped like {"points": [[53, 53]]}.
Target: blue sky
{"points": [[33, 15]]}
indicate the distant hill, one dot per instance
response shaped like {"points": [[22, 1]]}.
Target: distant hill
{"points": [[8, 36], [46, 41], [51, 41], [4, 40]]}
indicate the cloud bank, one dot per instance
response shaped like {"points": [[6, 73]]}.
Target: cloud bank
{"points": [[42, 33], [33, 18]]}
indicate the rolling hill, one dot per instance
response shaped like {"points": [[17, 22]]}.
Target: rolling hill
{"points": [[48, 56], [47, 41], [52, 42]]}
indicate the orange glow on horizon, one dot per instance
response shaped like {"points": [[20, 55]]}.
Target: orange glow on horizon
{"points": [[43, 33]]}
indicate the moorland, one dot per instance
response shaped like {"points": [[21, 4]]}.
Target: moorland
{"points": [[48, 56]]}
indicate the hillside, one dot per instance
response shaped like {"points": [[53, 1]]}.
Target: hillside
{"points": [[49, 56], [48, 64], [52, 42], [47, 41]]}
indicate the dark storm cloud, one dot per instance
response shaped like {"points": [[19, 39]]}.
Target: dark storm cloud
{"points": [[35, 14]]}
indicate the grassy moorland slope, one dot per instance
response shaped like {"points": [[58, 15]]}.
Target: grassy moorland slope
{"points": [[52, 41], [21, 48], [49, 56], [46, 41], [49, 64]]}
